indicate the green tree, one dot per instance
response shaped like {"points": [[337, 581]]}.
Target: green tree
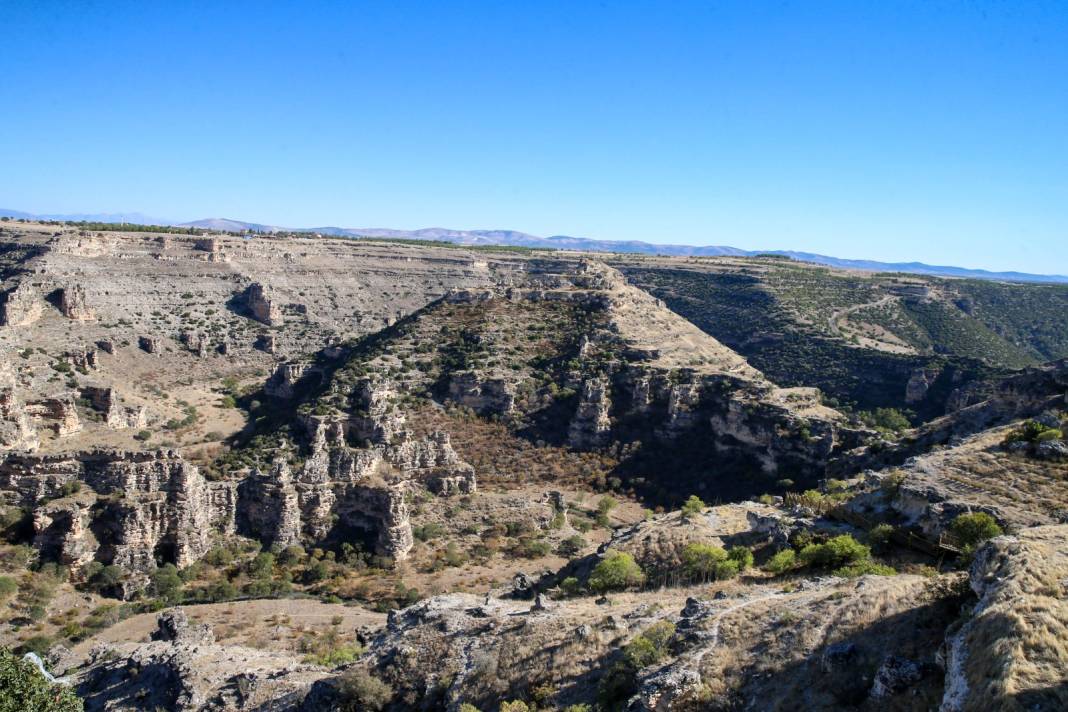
{"points": [[617, 571], [699, 560], [692, 507], [24, 688], [262, 565], [167, 584]]}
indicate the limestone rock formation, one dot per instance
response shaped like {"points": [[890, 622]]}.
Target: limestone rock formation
{"points": [[590, 427], [152, 506], [183, 668], [116, 415], [283, 381], [83, 359], [20, 306], [919, 383], [374, 417], [73, 304], [150, 344], [195, 342], [16, 429], [64, 412], [263, 306], [487, 396]]}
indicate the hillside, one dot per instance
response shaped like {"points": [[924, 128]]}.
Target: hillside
{"points": [[866, 340], [302, 472]]}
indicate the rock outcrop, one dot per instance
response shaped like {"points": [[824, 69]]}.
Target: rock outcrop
{"points": [[1010, 653], [590, 427], [486, 396], [150, 507], [20, 306], [150, 344], [16, 429], [116, 415], [283, 381], [64, 412], [183, 668], [262, 306], [73, 304]]}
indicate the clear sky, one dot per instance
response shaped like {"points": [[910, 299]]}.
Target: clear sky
{"points": [[894, 130]]}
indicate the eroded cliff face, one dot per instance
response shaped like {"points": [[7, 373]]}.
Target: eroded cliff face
{"points": [[138, 510], [131, 509]]}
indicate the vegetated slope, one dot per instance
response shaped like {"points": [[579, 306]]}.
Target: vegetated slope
{"points": [[591, 363], [860, 338]]}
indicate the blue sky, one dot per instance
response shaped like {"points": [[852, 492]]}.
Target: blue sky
{"points": [[934, 131]]}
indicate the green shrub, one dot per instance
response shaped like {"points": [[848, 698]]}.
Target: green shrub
{"points": [[1030, 431], [167, 584], [692, 507], [973, 529], [837, 551], [23, 688], [616, 572], [781, 562], [428, 531], [340, 655], [571, 586], [572, 545], [866, 566], [262, 565], [515, 706], [645, 649], [8, 586], [742, 555], [359, 691], [880, 535], [728, 569], [886, 420]]}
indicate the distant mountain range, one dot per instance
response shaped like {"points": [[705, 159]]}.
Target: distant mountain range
{"points": [[513, 238]]}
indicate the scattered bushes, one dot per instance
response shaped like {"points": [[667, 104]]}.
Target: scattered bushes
{"points": [[843, 553], [704, 562], [571, 586], [890, 421], [572, 545], [879, 536], [863, 567]]}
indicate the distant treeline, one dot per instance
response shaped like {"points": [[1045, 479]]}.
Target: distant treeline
{"points": [[441, 243]]}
